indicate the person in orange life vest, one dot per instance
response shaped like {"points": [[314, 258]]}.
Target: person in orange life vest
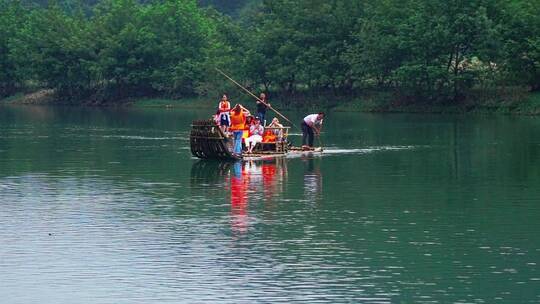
{"points": [[255, 135], [269, 137], [238, 121], [224, 108]]}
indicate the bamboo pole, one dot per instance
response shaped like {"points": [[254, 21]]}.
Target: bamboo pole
{"points": [[254, 96], [319, 136]]}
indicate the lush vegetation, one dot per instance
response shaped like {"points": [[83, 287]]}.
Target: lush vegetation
{"points": [[428, 51]]}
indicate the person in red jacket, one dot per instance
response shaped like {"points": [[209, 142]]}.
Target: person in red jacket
{"points": [[224, 108]]}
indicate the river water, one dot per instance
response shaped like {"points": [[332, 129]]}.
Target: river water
{"points": [[108, 206]]}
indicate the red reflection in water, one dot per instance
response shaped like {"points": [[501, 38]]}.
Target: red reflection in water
{"points": [[250, 182], [239, 199], [269, 179]]}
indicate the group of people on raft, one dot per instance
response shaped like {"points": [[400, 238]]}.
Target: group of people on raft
{"points": [[239, 122]]}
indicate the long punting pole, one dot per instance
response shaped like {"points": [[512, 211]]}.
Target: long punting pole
{"points": [[319, 136], [254, 96]]}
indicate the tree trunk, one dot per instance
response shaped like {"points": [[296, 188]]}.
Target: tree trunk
{"points": [[456, 72]]}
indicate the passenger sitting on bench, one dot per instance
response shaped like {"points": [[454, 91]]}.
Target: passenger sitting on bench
{"points": [[269, 137], [255, 135], [275, 124]]}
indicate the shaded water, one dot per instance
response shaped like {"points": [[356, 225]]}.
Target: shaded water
{"points": [[108, 206]]}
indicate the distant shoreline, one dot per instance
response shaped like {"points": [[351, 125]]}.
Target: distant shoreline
{"points": [[530, 105]]}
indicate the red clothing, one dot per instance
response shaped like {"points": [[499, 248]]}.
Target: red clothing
{"points": [[224, 106], [269, 136]]}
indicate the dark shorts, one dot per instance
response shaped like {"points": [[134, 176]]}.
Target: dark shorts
{"points": [[224, 120]]}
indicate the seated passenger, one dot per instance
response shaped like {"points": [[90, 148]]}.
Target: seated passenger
{"points": [[275, 124], [269, 137], [250, 121], [255, 135]]}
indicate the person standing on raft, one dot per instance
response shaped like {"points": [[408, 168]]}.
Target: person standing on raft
{"points": [[262, 106], [238, 123], [224, 109], [311, 124]]}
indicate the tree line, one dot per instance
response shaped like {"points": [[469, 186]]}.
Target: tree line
{"points": [[420, 50]]}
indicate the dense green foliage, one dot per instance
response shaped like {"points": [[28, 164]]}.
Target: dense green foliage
{"points": [[12, 16], [419, 50], [229, 7]]}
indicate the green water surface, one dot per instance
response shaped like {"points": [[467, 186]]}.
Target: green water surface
{"points": [[108, 206]]}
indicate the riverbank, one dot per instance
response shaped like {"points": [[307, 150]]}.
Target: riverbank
{"points": [[527, 105], [47, 97], [39, 97], [377, 102]]}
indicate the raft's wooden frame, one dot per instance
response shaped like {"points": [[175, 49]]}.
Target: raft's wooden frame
{"points": [[208, 141]]}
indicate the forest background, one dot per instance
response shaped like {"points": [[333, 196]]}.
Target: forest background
{"points": [[367, 55]]}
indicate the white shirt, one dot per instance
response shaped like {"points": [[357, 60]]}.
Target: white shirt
{"points": [[311, 120], [254, 130]]}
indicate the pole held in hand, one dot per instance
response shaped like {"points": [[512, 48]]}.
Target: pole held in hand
{"points": [[257, 98]]}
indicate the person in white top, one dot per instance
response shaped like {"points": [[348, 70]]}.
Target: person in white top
{"points": [[256, 132], [311, 124]]}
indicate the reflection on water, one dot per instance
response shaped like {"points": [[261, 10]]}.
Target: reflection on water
{"points": [[254, 181], [240, 182], [312, 180]]}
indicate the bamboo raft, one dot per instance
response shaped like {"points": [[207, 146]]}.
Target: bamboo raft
{"points": [[207, 141]]}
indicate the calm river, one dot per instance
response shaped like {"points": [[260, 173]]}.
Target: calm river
{"points": [[108, 206]]}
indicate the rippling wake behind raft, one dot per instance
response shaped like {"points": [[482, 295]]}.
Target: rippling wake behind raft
{"points": [[207, 141]]}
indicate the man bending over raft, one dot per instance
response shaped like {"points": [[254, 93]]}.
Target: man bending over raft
{"points": [[311, 124]]}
